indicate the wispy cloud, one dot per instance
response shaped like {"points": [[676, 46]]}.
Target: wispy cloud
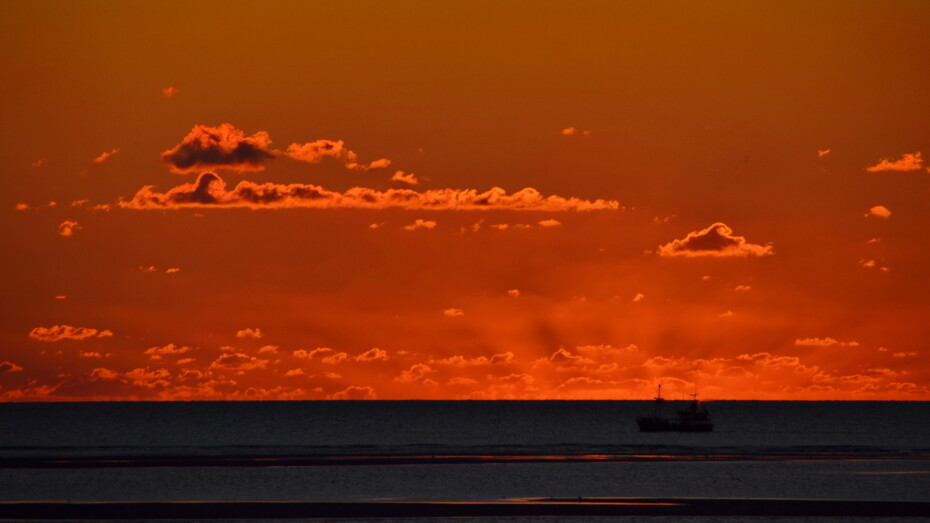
{"points": [[249, 333], [408, 178], [355, 392], [572, 131], [170, 91], [375, 354], [908, 162], [823, 342], [156, 353], [879, 211], [717, 240], [420, 224], [67, 228], [238, 362], [106, 155], [67, 332]]}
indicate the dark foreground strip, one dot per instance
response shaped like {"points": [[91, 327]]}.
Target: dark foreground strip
{"points": [[399, 459], [528, 508]]}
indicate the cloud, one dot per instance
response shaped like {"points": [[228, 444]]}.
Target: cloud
{"points": [[169, 91], [572, 131], [908, 162], [103, 374], [156, 353], [249, 333], [822, 152], [420, 224], [149, 379], [879, 211], [66, 228], [106, 155], [453, 313], [639, 297], [67, 332], [462, 361], [38, 163], [221, 147], [866, 263], [22, 206], [8, 366], [717, 240], [172, 270], [407, 178], [272, 349], [823, 342], [742, 288], [514, 292], [314, 152], [564, 356], [209, 191], [414, 374], [373, 355], [238, 362], [324, 354], [550, 223], [355, 392]]}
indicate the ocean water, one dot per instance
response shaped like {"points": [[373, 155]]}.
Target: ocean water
{"points": [[458, 451]]}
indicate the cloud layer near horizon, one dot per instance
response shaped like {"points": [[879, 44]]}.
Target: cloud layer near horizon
{"points": [[209, 191]]}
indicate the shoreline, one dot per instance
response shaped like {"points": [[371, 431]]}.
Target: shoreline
{"points": [[271, 460], [534, 507]]}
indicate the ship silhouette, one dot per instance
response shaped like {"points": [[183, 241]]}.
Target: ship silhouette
{"points": [[695, 418]]}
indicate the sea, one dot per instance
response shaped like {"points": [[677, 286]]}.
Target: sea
{"points": [[391, 453]]}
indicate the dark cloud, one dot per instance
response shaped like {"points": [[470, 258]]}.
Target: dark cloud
{"points": [[8, 366], [221, 147], [717, 240]]}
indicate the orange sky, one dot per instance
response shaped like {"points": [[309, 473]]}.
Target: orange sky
{"points": [[436, 200]]}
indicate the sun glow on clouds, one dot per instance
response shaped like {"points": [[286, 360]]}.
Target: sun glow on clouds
{"points": [[504, 267]]}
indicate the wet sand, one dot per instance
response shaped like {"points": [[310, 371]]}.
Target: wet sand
{"points": [[539, 507]]}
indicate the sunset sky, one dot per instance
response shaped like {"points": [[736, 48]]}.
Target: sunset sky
{"points": [[465, 200]]}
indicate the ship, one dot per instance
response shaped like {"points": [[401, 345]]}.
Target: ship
{"points": [[693, 419]]}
